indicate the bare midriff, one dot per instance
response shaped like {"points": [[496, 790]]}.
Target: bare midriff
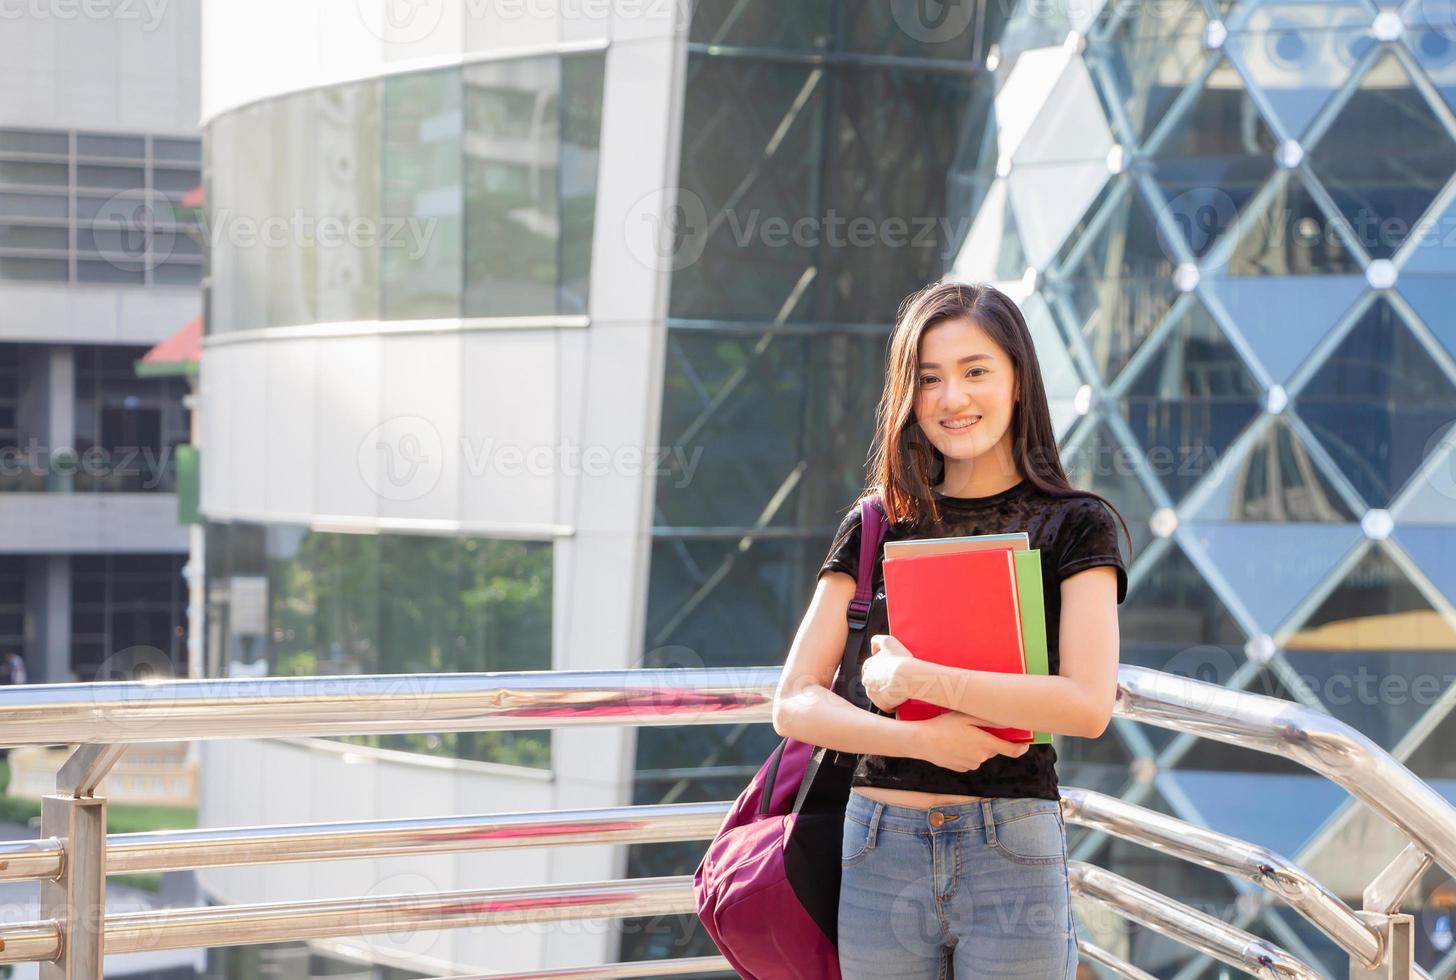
{"points": [[913, 798]]}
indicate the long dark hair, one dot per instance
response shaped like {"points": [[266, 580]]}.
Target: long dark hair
{"points": [[904, 464]]}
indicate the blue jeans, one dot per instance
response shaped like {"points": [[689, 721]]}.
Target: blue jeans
{"points": [[982, 885]]}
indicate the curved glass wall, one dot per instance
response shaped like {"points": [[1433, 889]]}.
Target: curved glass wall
{"points": [[286, 600], [827, 170], [458, 192]]}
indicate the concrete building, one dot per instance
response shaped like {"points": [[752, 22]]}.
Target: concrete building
{"points": [[99, 261]]}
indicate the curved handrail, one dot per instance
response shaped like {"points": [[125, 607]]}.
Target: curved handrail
{"points": [[102, 717], [1239, 949], [1232, 856], [1317, 741]]}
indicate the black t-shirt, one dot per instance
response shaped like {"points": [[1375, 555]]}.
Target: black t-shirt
{"points": [[1072, 534]]}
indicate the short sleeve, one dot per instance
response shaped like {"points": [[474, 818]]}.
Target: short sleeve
{"points": [[843, 553], [1087, 538]]}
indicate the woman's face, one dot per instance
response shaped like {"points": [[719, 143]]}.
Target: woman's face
{"points": [[962, 374]]}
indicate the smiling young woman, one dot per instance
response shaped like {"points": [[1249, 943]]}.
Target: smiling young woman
{"points": [[954, 848]]}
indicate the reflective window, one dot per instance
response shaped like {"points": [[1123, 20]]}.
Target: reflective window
{"points": [[423, 195], [1375, 652], [1094, 460], [1190, 400], [955, 31], [797, 202], [128, 617], [347, 124], [1115, 280], [1173, 621], [1215, 158], [290, 601], [12, 606], [1299, 54], [1146, 59], [456, 192], [1282, 318], [1276, 480], [1290, 234], [1383, 194], [127, 428], [530, 184], [1377, 402]]}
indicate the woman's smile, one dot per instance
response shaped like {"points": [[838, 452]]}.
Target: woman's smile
{"points": [[961, 423]]}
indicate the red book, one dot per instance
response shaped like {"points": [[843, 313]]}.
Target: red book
{"points": [[958, 609]]}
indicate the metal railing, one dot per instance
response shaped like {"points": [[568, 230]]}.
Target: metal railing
{"points": [[74, 853]]}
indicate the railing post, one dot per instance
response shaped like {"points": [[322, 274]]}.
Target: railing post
{"points": [[76, 898], [1399, 961]]}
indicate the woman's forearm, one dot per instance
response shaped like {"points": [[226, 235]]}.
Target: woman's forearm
{"points": [[1044, 703], [817, 715]]}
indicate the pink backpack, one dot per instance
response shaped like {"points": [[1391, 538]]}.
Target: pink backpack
{"points": [[768, 886]]}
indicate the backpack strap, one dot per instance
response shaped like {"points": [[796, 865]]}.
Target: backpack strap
{"points": [[873, 525]]}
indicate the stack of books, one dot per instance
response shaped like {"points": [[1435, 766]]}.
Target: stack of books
{"points": [[973, 602]]}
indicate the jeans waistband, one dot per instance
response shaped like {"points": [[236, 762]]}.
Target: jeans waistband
{"points": [[945, 818]]}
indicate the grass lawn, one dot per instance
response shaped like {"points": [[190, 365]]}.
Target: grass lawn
{"points": [[121, 818]]}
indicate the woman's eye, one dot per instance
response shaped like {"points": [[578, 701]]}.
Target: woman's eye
{"points": [[927, 378], [976, 372]]}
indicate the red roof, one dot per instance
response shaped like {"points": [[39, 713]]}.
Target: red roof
{"points": [[183, 347], [193, 198]]}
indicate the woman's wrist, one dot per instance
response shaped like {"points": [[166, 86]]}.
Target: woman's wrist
{"points": [[910, 737]]}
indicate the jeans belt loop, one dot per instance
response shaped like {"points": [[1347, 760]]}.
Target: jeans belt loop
{"points": [[989, 822], [874, 825]]}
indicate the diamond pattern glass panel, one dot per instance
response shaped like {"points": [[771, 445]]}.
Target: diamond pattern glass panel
{"points": [[1375, 651], [1381, 193], [1189, 401], [1102, 464], [1435, 50], [1434, 300], [1218, 153], [1284, 318], [1433, 548], [1376, 403], [1174, 621], [1299, 54], [1275, 480], [1116, 285], [1271, 567], [1290, 234], [1145, 59]]}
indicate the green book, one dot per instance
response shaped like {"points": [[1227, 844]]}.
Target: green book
{"points": [[1033, 619]]}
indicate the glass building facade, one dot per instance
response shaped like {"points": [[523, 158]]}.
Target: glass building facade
{"points": [[1231, 223], [288, 600], [457, 193]]}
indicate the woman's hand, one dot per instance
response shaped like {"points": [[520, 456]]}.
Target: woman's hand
{"points": [[954, 741], [886, 675], [885, 672]]}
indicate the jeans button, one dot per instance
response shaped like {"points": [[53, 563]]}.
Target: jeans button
{"points": [[936, 818]]}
